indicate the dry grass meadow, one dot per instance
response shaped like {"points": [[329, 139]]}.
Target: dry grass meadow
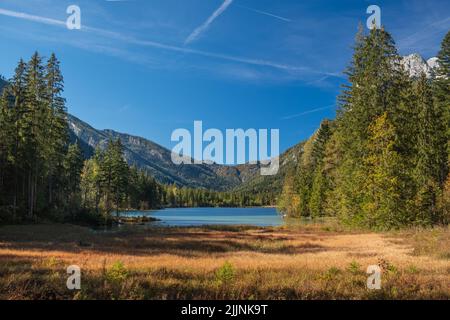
{"points": [[308, 262]]}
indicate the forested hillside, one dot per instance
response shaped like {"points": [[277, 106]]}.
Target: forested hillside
{"points": [[156, 160], [272, 185], [383, 163]]}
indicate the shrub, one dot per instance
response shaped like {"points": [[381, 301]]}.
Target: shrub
{"points": [[331, 274], [354, 267], [225, 274], [117, 273]]}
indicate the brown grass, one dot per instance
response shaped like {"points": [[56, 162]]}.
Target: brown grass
{"points": [[308, 262]]}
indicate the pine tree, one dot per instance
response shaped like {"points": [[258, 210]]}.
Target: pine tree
{"points": [[6, 143], [442, 85], [331, 162], [289, 201], [18, 112], [113, 175], [318, 190], [91, 182], [442, 105], [384, 205], [56, 130], [73, 166], [376, 86], [431, 142], [33, 129], [320, 183], [431, 166]]}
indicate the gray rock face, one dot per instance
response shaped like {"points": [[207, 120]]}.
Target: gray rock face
{"points": [[415, 65]]}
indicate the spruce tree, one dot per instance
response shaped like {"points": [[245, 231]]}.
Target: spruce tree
{"points": [[33, 130], [384, 206], [73, 166], [57, 126], [376, 85], [18, 116], [442, 104], [430, 170], [320, 183]]}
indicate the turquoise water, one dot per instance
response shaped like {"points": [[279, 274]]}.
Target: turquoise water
{"points": [[261, 217]]}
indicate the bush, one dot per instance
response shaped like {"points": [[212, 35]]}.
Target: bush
{"points": [[117, 273], [354, 267], [225, 274]]}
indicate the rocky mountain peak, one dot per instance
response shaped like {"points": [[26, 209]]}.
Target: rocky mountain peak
{"points": [[415, 65]]}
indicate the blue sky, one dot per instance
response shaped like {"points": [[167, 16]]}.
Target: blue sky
{"points": [[148, 67]]}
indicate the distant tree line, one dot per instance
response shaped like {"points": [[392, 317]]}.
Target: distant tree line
{"points": [[383, 163], [188, 197]]}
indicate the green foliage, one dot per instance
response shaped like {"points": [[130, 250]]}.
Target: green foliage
{"points": [[113, 175], [331, 274], [383, 163], [225, 274], [35, 179], [305, 186], [383, 206], [117, 273], [288, 201], [354, 267], [187, 197]]}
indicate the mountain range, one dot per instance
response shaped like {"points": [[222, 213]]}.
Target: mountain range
{"points": [[156, 160]]}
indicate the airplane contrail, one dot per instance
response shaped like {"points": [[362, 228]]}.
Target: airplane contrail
{"points": [[307, 112], [26, 16], [198, 31], [153, 44], [265, 13]]}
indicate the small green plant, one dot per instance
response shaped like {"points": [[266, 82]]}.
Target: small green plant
{"points": [[331, 274], [51, 262], [445, 255], [413, 269], [392, 269], [117, 273], [387, 266], [354, 267], [225, 274]]}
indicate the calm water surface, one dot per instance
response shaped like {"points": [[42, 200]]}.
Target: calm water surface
{"points": [[261, 217]]}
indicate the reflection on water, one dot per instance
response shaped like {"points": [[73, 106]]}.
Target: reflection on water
{"points": [[261, 217]]}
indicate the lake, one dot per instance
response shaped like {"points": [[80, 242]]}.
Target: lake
{"points": [[261, 217]]}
